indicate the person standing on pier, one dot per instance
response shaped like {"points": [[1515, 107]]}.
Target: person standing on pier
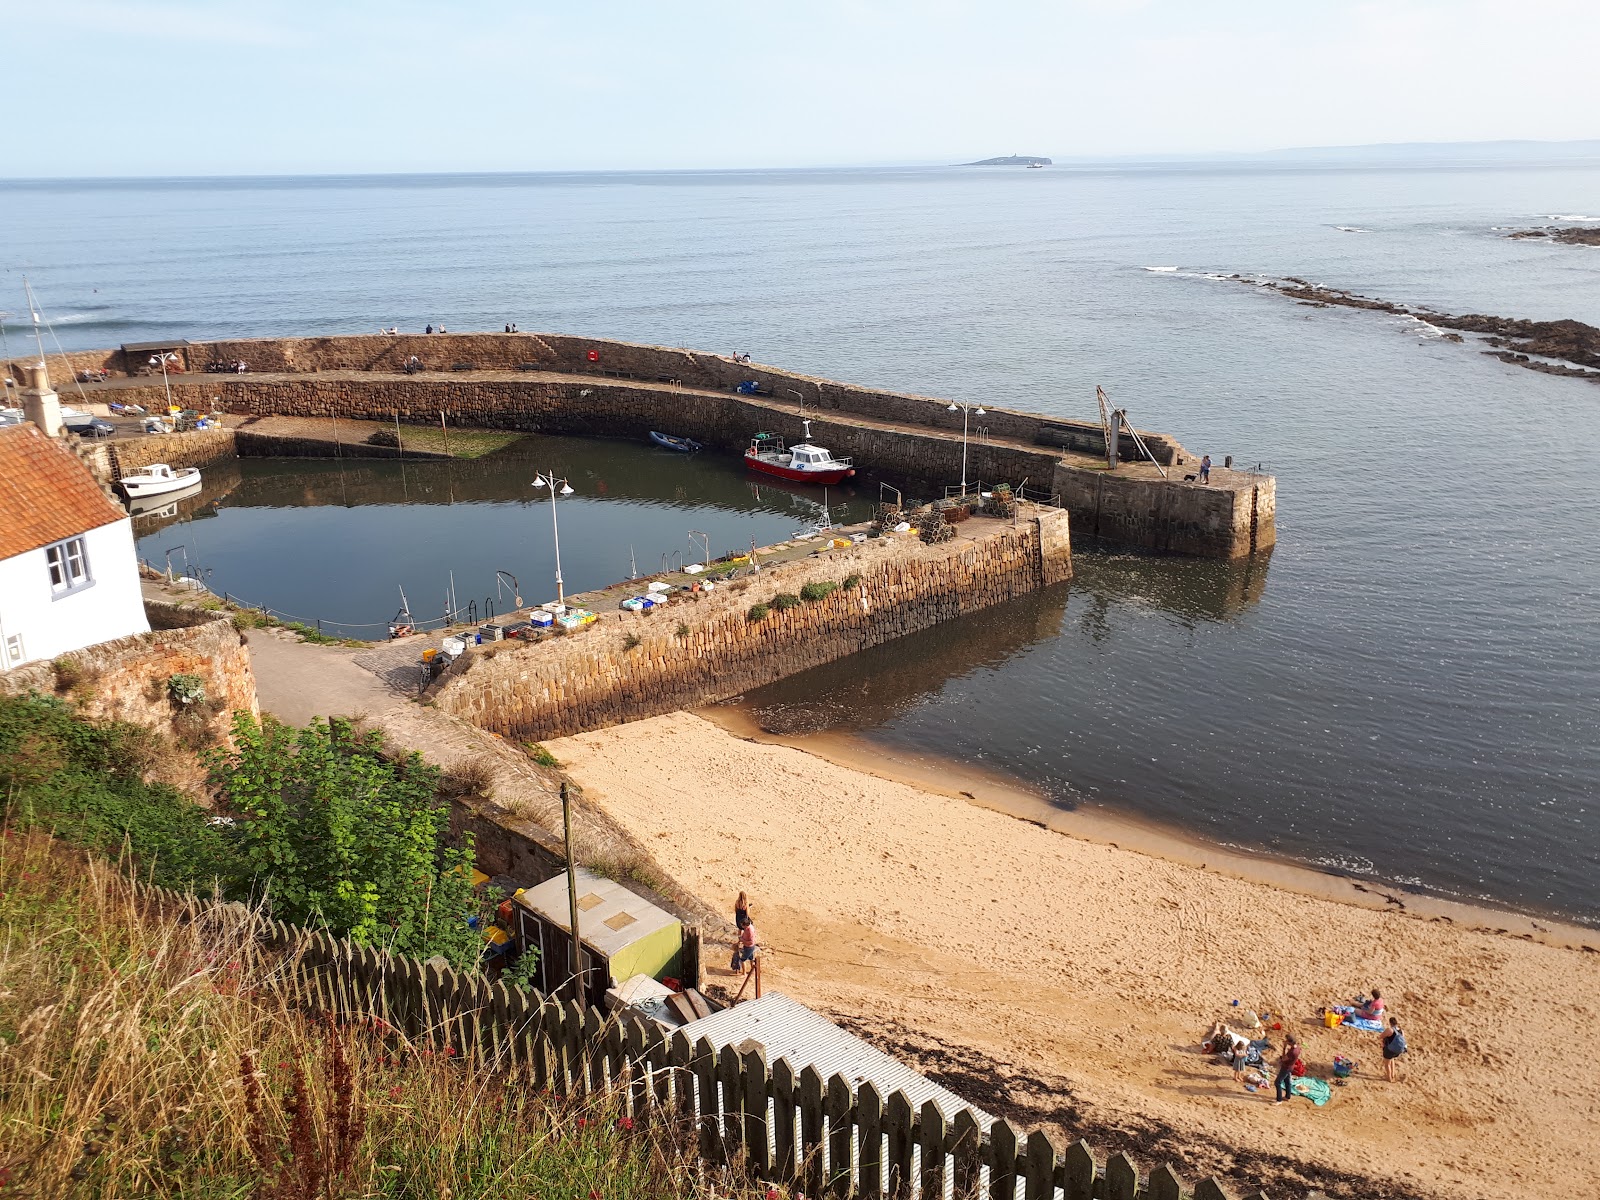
{"points": [[1205, 469]]}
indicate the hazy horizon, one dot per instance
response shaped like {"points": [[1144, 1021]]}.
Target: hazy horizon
{"points": [[1386, 154]]}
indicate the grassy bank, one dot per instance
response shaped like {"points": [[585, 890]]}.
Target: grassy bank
{"points": [[458, 443], [145, 1056]]}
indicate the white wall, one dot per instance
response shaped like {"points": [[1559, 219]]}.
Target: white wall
{"points": [[111, 607]]}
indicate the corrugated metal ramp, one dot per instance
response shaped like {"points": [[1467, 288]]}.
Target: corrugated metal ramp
{"points": [[785, 1028]]}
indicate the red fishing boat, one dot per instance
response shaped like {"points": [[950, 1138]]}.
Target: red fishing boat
{"points": [[803, 463]]}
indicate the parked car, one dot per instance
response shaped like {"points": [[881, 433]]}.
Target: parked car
{"points": [[91, 427]]}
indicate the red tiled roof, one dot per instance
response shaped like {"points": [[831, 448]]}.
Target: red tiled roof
{"points": [[46, 493]]}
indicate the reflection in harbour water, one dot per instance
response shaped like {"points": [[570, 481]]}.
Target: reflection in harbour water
{"points": [[335, 540], [872, 689]]}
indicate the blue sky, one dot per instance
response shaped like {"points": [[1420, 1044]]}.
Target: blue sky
{"points": [[98, 87]]}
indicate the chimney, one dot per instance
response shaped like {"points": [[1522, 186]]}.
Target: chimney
{"points": [[40, 404]]}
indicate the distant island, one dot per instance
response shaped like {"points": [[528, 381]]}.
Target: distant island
{"points": [[1011, 160]]}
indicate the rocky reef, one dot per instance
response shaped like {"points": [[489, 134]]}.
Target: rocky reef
{"points": [[1573, 345], [1577, 235]]}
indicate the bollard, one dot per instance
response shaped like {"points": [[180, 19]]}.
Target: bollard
{"points": [[1228, 462]]}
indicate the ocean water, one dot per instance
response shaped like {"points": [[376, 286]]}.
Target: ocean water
{"points": [[1408, 687]]}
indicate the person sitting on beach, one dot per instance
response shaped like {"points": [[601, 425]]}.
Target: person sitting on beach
{"points": [[1371, 1009], [429, 329]]}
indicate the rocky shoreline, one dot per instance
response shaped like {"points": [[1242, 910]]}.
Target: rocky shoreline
{"points": [[1573, 344], [1582, 235]]}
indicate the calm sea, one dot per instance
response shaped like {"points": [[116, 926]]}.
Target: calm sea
{"points": [[1409, 687]]}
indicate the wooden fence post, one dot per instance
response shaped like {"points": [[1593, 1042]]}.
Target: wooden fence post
{"points": [[1002, 1161], [704, 1065], [1039, 1180], [754, 1063], [616, 1066], [1122, 1178], [658, 1057], [572, 1046], [869, 1142], [680, 1053], [593, 1050], [900, 1136], [638, 1099], [840, 1129], [783, 1123], [1209, 1189], [930, 1144], [732, 1109], [812, 1148], [967, 1155], [1165, 1184], [1079, 1183]]}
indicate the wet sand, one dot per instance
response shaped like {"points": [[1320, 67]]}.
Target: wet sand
{"points": [[1065, 981], [995, 790]]}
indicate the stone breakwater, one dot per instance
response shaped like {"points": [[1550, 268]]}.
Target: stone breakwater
{"points": [[706, 647], [554, 384]]}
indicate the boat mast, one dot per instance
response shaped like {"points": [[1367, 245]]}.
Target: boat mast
{"points": [[33, 311]]}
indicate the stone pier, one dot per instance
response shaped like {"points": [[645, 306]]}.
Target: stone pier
{"points": [[703, 647], [558, 384]]}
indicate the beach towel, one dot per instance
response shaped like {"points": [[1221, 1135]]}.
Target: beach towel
{"points": [[1313, 1089], [1352, 1021]]}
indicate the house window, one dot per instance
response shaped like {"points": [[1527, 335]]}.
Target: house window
{"points": [[69, 566], [14, 651]]}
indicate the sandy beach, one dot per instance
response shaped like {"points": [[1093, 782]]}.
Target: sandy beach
{"points": [[1065, 984]]}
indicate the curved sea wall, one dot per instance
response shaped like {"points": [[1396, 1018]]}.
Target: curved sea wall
{"points": [[702, 648], [558, 384]]}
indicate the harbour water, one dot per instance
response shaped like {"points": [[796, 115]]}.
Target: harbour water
{"points": [[1408, 688], [332, 543]]}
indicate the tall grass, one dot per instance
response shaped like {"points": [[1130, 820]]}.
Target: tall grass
{"points": [[144, 1055]]}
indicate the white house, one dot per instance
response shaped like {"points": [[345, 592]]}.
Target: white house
{"points": [[69, 576]]}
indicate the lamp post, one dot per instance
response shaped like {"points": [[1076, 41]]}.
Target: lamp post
{"points": [[966, 413], [163, 359], [557, 487]]}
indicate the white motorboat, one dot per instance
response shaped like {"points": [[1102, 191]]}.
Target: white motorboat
{"points": [[157, 479]]}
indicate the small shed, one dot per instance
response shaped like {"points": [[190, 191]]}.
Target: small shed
{"points": [[136, 356], [623, 935], [783, 1028]]}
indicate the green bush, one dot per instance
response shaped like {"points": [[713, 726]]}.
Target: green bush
{"points": [[541, 756], [682, 630], [335, 829], [758, 612], [631, 642], [851, 583], [85, 783], [818, 591], [785, 600]]}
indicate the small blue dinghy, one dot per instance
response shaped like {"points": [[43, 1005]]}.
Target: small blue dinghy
{"points": [[682, 444]]}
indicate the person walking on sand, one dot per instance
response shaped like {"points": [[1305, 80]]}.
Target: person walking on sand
{"points": [[741, 911], [1205, 469], [748, 943], [1283, 1086], [1394, 1045]]}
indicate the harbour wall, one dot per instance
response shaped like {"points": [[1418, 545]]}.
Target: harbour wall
{"points": [[705, 647], [550, 383]]}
